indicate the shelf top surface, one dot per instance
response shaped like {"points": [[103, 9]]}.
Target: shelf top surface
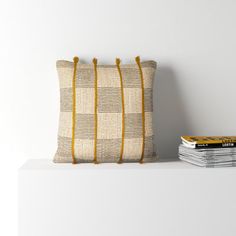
{"points": [[47, 164]]}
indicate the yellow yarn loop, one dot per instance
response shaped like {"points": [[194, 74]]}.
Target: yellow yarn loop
{"points": [[123, 111], [95, 110], [143, 108], [76, 60]]}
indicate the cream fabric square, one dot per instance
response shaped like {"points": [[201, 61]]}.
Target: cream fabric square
{"points": [[109, 125], [132, 149], [108, 77], [65, 76], [65, 124], [84, 149], [133, 100], [85, 100]]}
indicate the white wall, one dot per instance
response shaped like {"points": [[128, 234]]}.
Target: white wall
{"points": [[193, 42]]}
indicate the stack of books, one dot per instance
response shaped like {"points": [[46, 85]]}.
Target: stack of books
{"points": [[208, 151]]}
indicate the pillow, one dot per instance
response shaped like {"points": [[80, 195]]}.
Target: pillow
{"points": [[105, 112]]}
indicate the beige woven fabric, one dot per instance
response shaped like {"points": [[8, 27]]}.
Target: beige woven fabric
{"points": [[109, 112]]}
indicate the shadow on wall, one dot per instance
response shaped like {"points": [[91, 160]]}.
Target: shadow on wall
{"points": [[170, 118]]}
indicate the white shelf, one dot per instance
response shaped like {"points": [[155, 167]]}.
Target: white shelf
{"points": [[164, 198], [47, 164]]}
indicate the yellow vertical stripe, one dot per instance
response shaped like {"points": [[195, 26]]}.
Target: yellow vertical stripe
{"points": [[76, 60], [143, 111], [123, 111], [95, 109]]}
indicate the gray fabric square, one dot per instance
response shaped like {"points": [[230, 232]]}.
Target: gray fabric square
{"points": [[109, 100], [133, 125], [66, 99], [84, 126], [85, 78], [64, 146], [148, 101], [148, 148], [108, 150], [131, 78]]}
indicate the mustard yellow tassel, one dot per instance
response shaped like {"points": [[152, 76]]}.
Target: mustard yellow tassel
{"points": [[95, 110], [76, 60], [143, 109], [123, 111]]}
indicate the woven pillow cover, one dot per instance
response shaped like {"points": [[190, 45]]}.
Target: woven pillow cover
{"points": [[105, 112]]}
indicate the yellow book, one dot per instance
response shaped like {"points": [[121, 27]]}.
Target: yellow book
{"points": [[209, 141]]}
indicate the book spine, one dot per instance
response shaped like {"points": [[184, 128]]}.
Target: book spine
{"points": [[216, 145]]}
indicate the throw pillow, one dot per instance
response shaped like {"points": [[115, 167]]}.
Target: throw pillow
{"points": [[105, 112]]}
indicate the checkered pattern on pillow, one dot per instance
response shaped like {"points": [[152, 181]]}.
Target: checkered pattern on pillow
{"points": [[119, 132]]}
